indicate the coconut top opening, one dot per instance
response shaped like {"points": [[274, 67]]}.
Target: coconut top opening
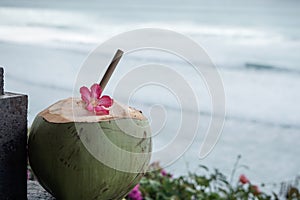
{"points": [[73, 110]]}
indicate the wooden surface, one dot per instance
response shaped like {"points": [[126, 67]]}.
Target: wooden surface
{"points": [[36, 192]]}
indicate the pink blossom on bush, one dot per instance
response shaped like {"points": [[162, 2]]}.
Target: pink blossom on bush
{"points": [[135, 193], [243, 179], [28, 175], [255, 189], [163, 172]]}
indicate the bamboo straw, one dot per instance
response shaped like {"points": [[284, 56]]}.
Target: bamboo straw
{"points": [[111, 68]]}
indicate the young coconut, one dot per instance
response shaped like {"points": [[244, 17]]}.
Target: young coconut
{"points": [[78, 149]]}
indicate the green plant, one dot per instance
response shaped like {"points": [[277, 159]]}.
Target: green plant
{"points": [[159, 185], [289, 189]]}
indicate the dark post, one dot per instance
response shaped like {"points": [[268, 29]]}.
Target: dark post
{"points": [[1, 81], [13, 139]]}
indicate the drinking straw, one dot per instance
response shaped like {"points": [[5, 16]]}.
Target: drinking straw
{"points": [[111, 68]]}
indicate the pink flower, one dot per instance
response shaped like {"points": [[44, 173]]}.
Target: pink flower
{"points": [[255, 189], [243, 179], [163, 172], [28, 175], [93, 100], [135, 193]]}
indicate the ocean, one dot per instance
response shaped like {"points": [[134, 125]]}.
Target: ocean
{"points": [[254, 44]]}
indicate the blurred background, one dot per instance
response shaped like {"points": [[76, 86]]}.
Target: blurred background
{"points": [[255, 45]]}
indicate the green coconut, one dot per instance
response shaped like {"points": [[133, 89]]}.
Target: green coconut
{"points": [[77, 155]]}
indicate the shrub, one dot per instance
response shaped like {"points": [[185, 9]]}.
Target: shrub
{"points": [[160, 185]]}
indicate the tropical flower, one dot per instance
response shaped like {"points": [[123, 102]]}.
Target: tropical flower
{"points": [[255, 189], [135, 193], [164, 172], [94, 101], [243, 179], [28, 175]]}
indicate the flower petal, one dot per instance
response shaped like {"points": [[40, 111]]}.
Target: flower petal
{"points": [[90, 107], [85, 94], [100, 110], [105, 101], [243, 179], [96, 91]]}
